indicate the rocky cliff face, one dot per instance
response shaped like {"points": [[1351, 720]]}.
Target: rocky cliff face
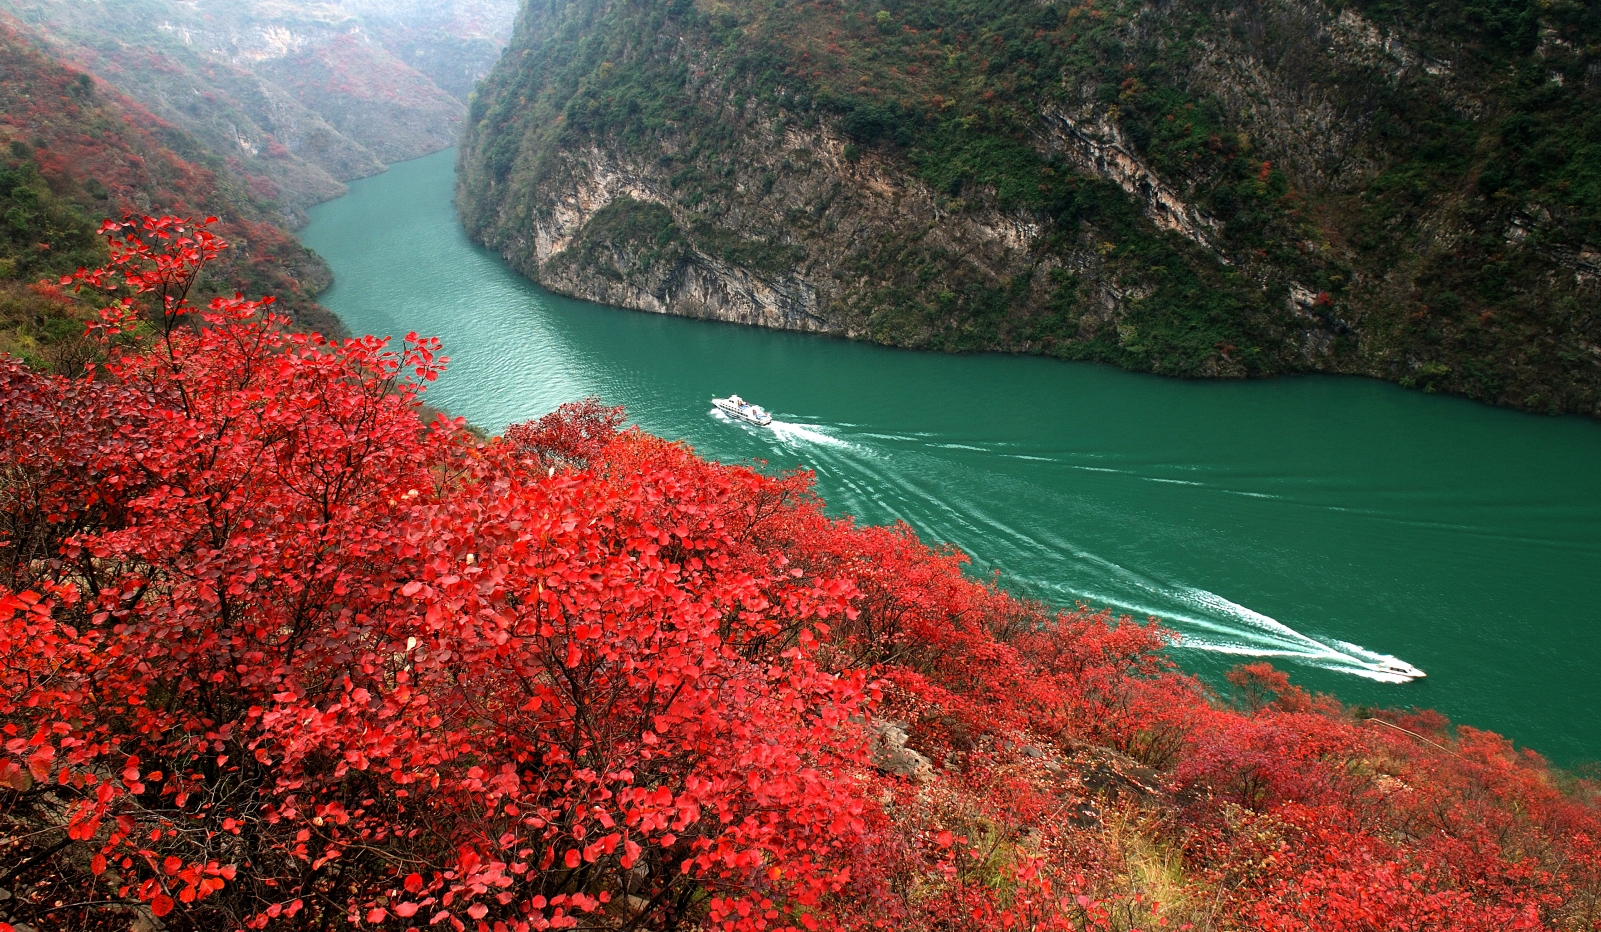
{"points": [[807, 219], [1183, 188]]}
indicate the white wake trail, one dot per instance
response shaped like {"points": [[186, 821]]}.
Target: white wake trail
{"points": [[1204, 620], [792, 433], [789, 432], [1269, 637]]}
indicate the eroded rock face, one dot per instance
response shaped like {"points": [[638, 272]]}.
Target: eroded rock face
{"points": [[802, 230], [788, 245], [694, 284], [890, 754], [1098, 146]]}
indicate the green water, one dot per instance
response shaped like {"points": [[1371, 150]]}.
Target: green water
{"points": [[1323, 522]]}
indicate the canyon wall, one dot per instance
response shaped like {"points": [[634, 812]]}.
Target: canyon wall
{"points": [[1184, 188]]}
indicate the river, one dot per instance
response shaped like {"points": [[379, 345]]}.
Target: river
{"points": [[1324, 523]]}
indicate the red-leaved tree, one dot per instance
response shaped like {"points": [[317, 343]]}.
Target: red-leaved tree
{"points": [[310, 658], [277, 653]]}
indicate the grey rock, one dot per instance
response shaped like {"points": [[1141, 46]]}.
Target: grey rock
{"points": [[891, 755]]}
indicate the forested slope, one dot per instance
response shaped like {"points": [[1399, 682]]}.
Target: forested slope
{"points": [[298, 97], [73, 152], [1409, 191]]}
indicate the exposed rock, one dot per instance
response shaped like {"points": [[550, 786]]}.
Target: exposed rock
{"points": [[891, 755], [636, 878], [1091, 779], [1106, 774], [812, 286], [1097, 145]]}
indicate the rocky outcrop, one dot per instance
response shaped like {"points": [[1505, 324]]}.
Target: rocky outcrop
{"points": [[692, 284], [1095, 144], [795, 224]]}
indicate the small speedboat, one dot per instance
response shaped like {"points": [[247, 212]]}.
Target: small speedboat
{"points": [[1400, 668], [737, 407]]}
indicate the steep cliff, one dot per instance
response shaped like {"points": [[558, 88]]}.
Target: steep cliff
{"points": [[1406, 191]]}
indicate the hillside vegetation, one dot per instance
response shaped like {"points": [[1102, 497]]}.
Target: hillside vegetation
{"points": [[1405, 190], [276, 654], [297, 97], [74, 151]]}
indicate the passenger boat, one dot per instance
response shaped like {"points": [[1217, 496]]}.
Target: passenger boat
{"points": [[737, 407]]}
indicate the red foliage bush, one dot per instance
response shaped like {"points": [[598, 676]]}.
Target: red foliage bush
{"points": [[277, 654], [572, 435]]}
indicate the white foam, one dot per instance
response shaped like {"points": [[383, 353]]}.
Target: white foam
{"points": [[1206, 621], [788, 432], [1268, 637]]}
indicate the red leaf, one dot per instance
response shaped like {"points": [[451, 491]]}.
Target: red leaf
{"points": [[15, 778]]}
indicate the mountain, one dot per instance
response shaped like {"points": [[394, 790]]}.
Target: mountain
{"points": [[74, 151], [298, 97], [1410, 191]]}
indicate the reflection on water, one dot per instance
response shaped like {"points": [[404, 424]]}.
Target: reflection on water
{"points": [[1341, 527]]}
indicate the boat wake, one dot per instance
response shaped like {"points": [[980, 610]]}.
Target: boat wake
{"points": [[791, 433], [1204, 620], [1249, 633], [885, 483]]}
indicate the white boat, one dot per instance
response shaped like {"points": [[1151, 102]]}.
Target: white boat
{"points": [[737, 407], [1401, 668]]}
